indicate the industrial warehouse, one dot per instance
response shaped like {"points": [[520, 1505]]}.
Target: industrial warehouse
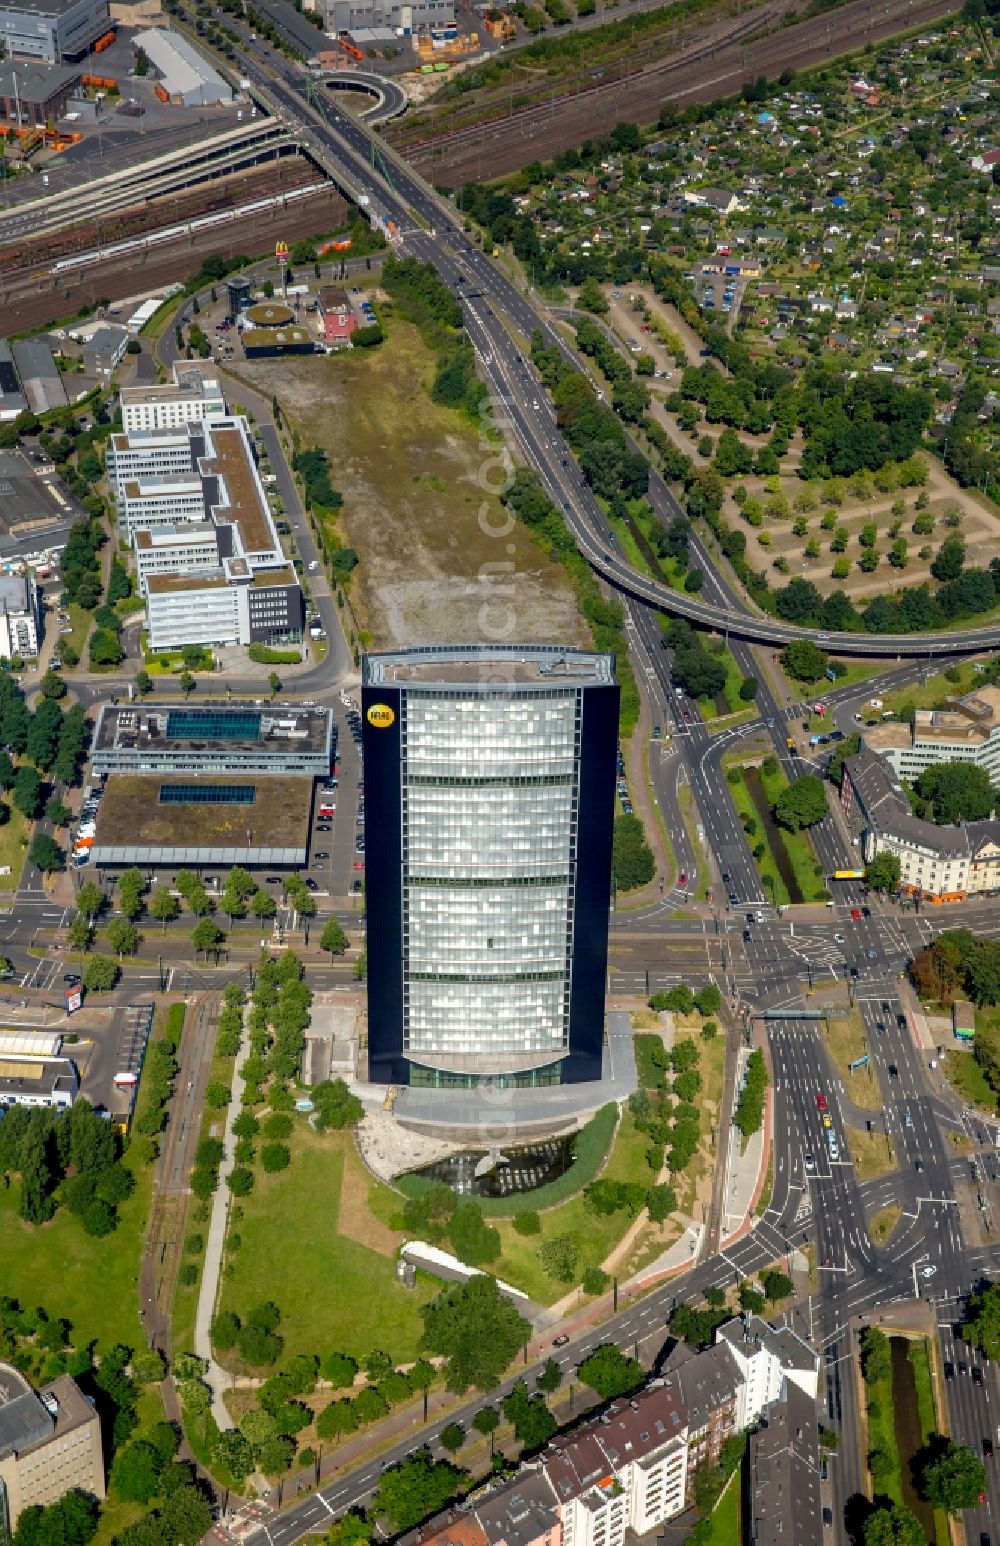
{"points": [[216, 785]]}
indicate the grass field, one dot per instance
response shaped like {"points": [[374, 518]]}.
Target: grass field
{"points": [[882, 1433], [300, 1247], [727, 1520], [919, 1358], [595, 1236], [435, 545], [883, 1222], [871, 1152], [857, 671], [13, 847], [932, 693], [846, 1042], [92, 1283], [709, 709], [797, 845], [80, 621], [967, 1077]]}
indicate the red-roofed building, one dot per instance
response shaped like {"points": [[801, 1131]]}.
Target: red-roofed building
{"points": [[338, 327]]}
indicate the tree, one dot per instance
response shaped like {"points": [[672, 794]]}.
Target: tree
{"points": [[883, 873], [164, 906], [559, 1257], [982, 1322], [186, 1516], [416, 1488], [533, 1423], [953, 1478], [90, 900], [776, 1285], [486, 1420], [476, 1330], [186, 683], [79, 934], [100, 974], [893, 1525], [135, 1474], [950, 559], [802, 804], [452, 1437], [28, 792], [340, 1369], [876, 1358], [632, 858], [610, 1373], [804, 661], [333, 938], [592, 298], [206, 935], [475, 1241], [956, 791], [123, 937], [143, 683], [45, 854], [57, 813]]}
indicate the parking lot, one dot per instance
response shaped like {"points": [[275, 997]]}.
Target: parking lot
{"points": [[337, 843]]}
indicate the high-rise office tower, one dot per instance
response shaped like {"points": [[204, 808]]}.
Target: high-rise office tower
{"points": [[489, 793]]}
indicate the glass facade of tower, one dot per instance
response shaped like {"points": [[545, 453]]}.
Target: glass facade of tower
{"points": [[481, 805]]}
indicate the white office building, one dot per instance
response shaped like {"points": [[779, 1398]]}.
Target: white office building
{"points": [[766, 1357], [192, 395], [18, 617], [964, 730], [208, 558]]}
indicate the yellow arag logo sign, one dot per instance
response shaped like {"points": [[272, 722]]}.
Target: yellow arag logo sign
{"points": [[381, 716]]}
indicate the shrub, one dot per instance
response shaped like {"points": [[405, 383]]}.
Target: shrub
{"points": [[275, 1156]]}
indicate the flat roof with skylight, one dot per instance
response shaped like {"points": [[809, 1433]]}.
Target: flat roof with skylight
{"points": [[264, 739], [488, 666]]}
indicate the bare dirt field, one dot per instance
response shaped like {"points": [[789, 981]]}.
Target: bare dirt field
{"points": [[439, 560]]}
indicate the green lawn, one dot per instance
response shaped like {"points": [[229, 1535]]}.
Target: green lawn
{"points": [[966, 1075], [93, 1283], [932, 693], [709, 709], [845, 1041], [595, 1236], [13, 847], [882, 1433], [857, 671], [727, 1526], [919, 1358], [80, 621], [333, 1291], [798, 845]]}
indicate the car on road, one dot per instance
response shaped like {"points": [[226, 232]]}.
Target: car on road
{"points": [[854, 973], [838, 939], [560, 1341], [827, 1119], [855, 913], [828, 1516], [901, 1022], [928, 1271], [893, 1071], [949, 1371], [682, 878], [321, 854], [885, 1006], [747, 936], [358, 865], [918, 1165], [977, 1375], [323, 826], [834, 1151], [809, 1163], [907, 1119], [734, 900], [821, 1103], [311, 883], [71, 977]]}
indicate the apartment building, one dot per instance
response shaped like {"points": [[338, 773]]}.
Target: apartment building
{"points": [[50, 1444], [18, 617], [208, 558], [191, 397], [784, 1484], [938, 864], [631, 1468]]}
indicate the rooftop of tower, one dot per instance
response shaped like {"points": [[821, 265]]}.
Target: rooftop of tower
{"points": [[488, 666]]}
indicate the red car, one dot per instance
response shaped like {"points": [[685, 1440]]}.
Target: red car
{"points": [[821, 1103], [682, 878], [358, 864], [855, 913]]}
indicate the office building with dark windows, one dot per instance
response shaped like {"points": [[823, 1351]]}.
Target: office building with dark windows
{"points": [[489, 781]]}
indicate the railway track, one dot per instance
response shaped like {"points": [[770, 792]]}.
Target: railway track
{"points": [[583, 85], [717, 68], [168, 1217]]}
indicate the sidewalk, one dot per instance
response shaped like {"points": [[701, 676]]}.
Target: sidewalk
{"points": [[216, 1377]]}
